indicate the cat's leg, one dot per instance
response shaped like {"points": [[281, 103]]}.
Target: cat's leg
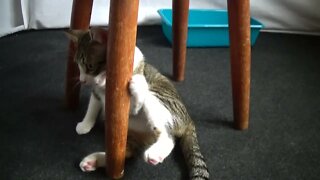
{"points": [[138, 89], [93, 161], [161, 149], [159, 118], [87, 123]]}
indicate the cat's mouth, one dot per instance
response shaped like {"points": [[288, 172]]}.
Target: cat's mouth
{"points": [[86, 80]]}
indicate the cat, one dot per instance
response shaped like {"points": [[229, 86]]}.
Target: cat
{"points": [[158, 117]]}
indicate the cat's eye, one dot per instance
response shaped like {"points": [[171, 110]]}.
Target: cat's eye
{"points": [[90, 66]]}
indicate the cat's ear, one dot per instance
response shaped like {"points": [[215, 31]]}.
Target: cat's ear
{"points": [[99, 34], [74, 35]]}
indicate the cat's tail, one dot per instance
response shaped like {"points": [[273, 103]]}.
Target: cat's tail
{"points": [[191, 151]]}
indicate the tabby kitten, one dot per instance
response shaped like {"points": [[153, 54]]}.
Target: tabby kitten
{"points": [[158, 116]]}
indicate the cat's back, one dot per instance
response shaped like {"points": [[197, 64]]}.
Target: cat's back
{"points": [[158, 82], [165, 91]]}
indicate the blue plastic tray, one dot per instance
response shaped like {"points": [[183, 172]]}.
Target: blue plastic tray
{"points": [[206, 27]]}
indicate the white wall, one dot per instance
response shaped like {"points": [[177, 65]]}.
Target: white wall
{"points": [[295, 16], [10, 16]]}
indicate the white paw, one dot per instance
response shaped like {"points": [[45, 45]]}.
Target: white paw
{"points": [[88, 164], [138, 85], [161, 149], [100, 79], [138, 89], [92, 162], [158, 152], [154, 156], [83, 127]]}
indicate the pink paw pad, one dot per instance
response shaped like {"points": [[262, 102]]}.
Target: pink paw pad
{"points": [[155, 162], [89, 166]]}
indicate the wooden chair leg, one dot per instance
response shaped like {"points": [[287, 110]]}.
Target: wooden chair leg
{"points": [[180, 11], [239, 28], [120, 53], [80, 19]]}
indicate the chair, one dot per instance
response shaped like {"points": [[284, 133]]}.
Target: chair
{"points": [[122, 34]]}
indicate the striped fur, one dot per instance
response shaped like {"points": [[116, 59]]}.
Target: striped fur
{"points": [[181, 125]]}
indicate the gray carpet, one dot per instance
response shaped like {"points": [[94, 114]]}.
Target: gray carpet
{"points": [[38, 138]]}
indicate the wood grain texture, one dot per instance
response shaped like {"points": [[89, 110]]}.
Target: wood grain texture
{"points": [[81, 14], [239, 28], [80, 19], [180, 11], [120, 53]]}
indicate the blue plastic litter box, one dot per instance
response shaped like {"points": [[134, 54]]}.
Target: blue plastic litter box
{"points": [[206, 28]]}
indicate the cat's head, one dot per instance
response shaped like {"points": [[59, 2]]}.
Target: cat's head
{"points": [[90, 54]]}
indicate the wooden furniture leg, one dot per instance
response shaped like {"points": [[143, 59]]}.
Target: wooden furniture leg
{"points": [[80, 19], [239, 32], [120, 53], [180, 11]]}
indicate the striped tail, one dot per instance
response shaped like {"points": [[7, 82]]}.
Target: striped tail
{"points": [[195, 161]]}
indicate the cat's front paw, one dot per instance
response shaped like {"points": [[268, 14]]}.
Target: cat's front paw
{"points": [[83, 127], [92, 162], [100, 80], [138, 86], [88, 165], [138, 89]]}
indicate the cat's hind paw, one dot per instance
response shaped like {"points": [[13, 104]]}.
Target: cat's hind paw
{"points": [[160, 150], [153, 157]]}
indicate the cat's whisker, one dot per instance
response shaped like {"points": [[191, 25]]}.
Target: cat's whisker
{"points": [[77, 84], [76, 78]]}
